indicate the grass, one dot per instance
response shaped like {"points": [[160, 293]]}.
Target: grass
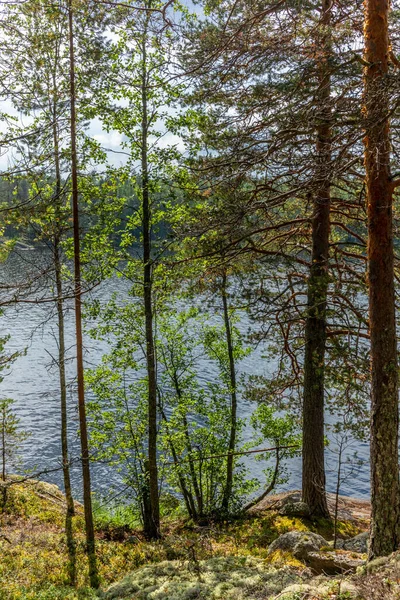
{"points": [[34, 554]]}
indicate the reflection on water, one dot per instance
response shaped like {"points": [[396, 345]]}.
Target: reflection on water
{"points": [[33, 383]]}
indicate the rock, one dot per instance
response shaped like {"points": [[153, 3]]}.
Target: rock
{"points": [[297, 590], [306, 546], [348, 588], [377, 563], [295, 509], [359, 543], [290, 498], [317, 590], [333, 562], [299, 543], [219, 578]]}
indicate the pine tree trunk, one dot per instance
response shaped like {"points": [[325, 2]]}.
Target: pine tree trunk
{"points": [[61, 355], [313, 485], [385, 490], [87, 497], [64, 418], [3, 446], [233, 415], [151, 506]]}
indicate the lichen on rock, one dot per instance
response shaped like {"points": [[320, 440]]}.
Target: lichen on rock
{"points": [[222, 578]]}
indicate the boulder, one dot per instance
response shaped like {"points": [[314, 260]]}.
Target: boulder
{"points": [[295, 509], [321, 589], [297, 590], [359, 543], [333, 562], [377, 564], [299, 543], [306, 546], [219, 578]]}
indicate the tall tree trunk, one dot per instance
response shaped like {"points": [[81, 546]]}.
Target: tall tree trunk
{"points": [[64, 418], [61, 355], [151, 505], [87, 498], [385, 491], [233, 415], [3, 442], [315, 335]]}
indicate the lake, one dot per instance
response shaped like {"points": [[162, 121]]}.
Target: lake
{"points": [[33, 383]]}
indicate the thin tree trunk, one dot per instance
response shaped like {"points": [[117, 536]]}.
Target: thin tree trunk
{"points": [[195, 483], [338, 482], [87, 498], [385, 491], [64, 426], [187, 496], [3, 451], [313, 484], [272, 484], [152, 522], [3, 441], [196, 487], [61, 359], [233, 415]]}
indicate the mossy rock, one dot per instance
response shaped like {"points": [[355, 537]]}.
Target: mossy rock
{"points": [[223, 578]]}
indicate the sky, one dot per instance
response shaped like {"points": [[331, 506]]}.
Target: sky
{"points": [[111, 141]]}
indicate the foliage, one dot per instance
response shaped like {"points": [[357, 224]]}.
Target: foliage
{"points": [[194, 414], [11, 437], [282, 432], [35, 557]]}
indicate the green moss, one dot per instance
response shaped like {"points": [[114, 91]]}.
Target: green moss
{"points": [[49, 592], [230, 578], [34, 561]]}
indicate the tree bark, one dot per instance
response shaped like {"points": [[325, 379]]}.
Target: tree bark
{"points": [[187, 495], [313, 485], [196, 487], [151, 506], [87, 498], [3, 441], [385, 491], [61, 353], [233, 415], [64, 418], [272, 483]]}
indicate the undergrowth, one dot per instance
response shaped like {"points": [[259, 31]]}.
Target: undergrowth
{"points": [[34, 554]]}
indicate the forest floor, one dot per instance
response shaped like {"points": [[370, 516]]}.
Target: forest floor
{"points": [[349, 509], [34, 555]]}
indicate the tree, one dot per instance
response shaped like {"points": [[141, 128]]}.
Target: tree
{"points": [[385, 490], [85, 458], [152, 509], [276, 97], [281, 431], [313, 474], [11, 437], [233, 388], [141, 77]]}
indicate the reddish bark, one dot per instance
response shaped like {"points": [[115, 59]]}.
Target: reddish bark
{"points": [[385, 491]]}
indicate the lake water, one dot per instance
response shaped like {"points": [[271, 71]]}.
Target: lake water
{"points": [[33, 383]]}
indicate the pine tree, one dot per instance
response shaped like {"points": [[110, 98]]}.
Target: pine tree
{"points": [[385, 488]]}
